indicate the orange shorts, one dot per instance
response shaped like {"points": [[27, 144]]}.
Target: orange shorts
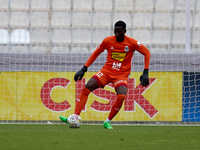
{"points": [[103, 77]]}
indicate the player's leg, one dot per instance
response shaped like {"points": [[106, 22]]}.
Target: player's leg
{"points": [[91, 85], [100, 79], [121, 90], [121, 94]]}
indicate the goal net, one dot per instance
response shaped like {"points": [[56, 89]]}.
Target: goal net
{"points": [[44, 42]]}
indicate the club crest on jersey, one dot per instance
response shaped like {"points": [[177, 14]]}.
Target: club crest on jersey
{"points": [[126, 49]]}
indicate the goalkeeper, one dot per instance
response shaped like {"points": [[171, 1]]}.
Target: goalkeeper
{"points": [[120, 49]]}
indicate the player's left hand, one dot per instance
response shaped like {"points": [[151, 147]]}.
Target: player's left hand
{"points": [[144, 78]]}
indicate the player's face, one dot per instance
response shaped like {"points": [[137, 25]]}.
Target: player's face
{"points": [[119, 33]]}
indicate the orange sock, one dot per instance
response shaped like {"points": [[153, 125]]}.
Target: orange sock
{"points": [[80, 103], [116, 106]]}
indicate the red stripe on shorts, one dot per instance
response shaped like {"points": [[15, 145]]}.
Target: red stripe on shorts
{"points": [[121, 84], [98, 81]]}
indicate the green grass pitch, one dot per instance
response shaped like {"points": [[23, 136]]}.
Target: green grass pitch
{"points": [[95, 137]]}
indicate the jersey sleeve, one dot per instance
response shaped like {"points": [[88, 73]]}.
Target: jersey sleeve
{"points": [[96, 53], [144, 51]]}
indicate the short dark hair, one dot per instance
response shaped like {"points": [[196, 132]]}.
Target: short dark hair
{"points": [[120, 24]]}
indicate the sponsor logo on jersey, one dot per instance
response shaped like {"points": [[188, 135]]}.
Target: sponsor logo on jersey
{"points": [[118, 56], [126, 49]]}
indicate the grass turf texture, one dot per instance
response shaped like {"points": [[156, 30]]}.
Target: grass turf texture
{"points": [[95, 137]]}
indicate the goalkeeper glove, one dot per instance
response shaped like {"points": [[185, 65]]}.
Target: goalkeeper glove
{"points": [[144, 78], [79, 75]]}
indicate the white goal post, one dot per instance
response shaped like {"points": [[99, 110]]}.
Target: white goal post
{"points": [[44, 42]]}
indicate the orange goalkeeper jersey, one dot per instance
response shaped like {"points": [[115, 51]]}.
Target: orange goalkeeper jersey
{"points": [[120, 54]]}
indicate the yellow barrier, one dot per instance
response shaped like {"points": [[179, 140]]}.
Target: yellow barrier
{"points": [[47, 95]]}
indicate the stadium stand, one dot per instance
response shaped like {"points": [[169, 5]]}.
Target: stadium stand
{"points": [[81, 20], [39, 36], [144, 6], [19, 5], [61, 5], [38, 5], [20, 36], [61, 20], [138, 21], [81, 36], [123, 6], [39, 49], [103, 6], [19, 20], [67, 21], [102, 20], [4, 20], [61, 36], [162, 21], [4, 5], [82, 6], [40, 20], [4, 36], [164, 6]]}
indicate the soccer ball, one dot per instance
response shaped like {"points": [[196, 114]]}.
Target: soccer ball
{"points": [[74, 121]]}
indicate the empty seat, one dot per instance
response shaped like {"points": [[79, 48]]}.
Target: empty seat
{"points": [[103, 5], [61, 36], [196, 38], [126, 17], [81, 36], [19, 20], [4, 49], [19, 5], [161, 37], [82, 20], [99, 35], [39, 20], [102, 20], [181, 5], [4, 5], [195, 50], [179, 37], [60, 49], [123, 5], [180, 21], [197, 6], [162, 21], [20, 49], [4, 20], [20, 36], [177, 50], [142, 21], [4, 36], [40, 36], [144, 5], [197, 21], [79, 50], [143, 36], [61, 20], [39, 49], [61, 5], [40, 5], [159, 50], [83, 5], [164, 6]]}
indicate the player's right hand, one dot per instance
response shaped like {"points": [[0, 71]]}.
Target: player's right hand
{"points": [[79, 75]]}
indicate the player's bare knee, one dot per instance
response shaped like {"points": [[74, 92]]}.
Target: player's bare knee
{"points": [[92, 84], [121, 90]]}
